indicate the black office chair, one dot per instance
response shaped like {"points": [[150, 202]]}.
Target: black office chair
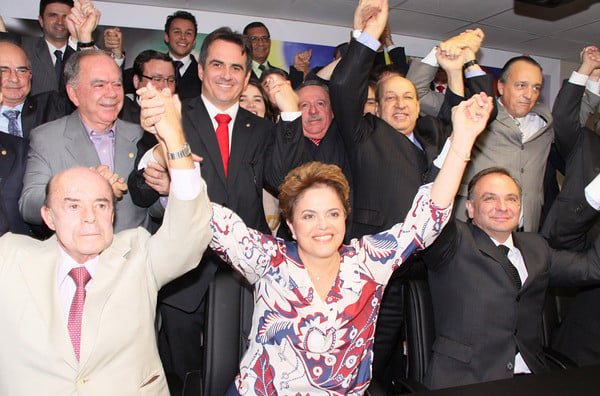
{"points": [[420, 334]]}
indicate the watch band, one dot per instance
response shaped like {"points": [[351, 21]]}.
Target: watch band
{"points": [[470, 63], [184, 152], [89, 44]]}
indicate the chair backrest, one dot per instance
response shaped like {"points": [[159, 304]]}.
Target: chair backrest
{"points": [[229, 310], [419, 328]]}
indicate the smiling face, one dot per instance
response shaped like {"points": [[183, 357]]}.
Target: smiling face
{"points": [[495, 205], [54, 23], [224, 76], [16, 74], [98, 92], [313, 102], [181, 37], [252, 100], [318, 223], [261, 43], [522, 88], [399, 104], [80, 209], [156, 69]]}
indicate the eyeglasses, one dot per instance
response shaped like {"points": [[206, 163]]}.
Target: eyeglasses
{"points": [[20, 72], [256, 39], [160, 79]]}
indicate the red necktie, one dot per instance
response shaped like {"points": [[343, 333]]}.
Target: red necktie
{"points": [[440, 88], [223, 138], [81, 276]]}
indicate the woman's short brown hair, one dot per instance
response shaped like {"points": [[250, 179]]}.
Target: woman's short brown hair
{"points": [[309, 175]]}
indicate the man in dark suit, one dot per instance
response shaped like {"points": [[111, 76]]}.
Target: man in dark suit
{"points": [[13, 156], [180, 36], [573, 221], [488, 299], [259, 36], [233, 151], [20, 111]]}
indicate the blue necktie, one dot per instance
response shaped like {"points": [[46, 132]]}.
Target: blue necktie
{"points": [[13, 125]]}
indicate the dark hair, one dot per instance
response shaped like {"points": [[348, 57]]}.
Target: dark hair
{"points": [[181, 15], [144, 57], [379, 70], [313, 83], [524, 58], [489, 171], [270, 112], [73, 65], [252, 25], [274, 70], [309, 175], [226, 34], [44, 4], [380, 84]]}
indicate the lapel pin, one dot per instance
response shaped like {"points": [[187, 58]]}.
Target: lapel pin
{"points": [[130, 155], [248, 125], [3, 152]]}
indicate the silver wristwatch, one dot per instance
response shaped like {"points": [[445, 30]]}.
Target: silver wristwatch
{"points": [[184, 152]]}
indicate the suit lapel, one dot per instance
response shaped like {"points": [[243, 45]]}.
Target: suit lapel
{"points": [[126, 136], [43, 55], [242, 130], [488, 248], [78, 143], [28, 116], [109, 267], [205, 131], [41, 276], [530, 258]]}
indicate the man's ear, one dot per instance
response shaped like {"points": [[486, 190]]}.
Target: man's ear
{"points": [[500, 87], [200, 72], [72, 94], [136, 81], [470, 209], [47, 217]]}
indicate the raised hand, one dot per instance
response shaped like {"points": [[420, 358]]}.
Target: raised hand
{"points": [[118, 184], [469, 38], [113, 42], [590, 60], [83, 20], [302, 61], [469, 119], [371, 16], [285, 97]]}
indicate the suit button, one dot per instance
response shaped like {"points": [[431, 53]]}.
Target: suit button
{"points": [[510, 366], [81, 381]]}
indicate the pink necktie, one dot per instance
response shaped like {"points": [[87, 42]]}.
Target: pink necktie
{"points": [[81, 276], [223, 138]]}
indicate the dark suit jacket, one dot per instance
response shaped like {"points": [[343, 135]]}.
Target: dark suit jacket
{"points": [[43, 75], [13, 158], [270, 67], [130, 111], [573, 224], [241, 191], [480, 315], [42, 108], [387, 168], [190, 85]]}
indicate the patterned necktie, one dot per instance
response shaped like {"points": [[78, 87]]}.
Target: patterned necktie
{"points": [[262, 69], [223, 138], [512, 269], [13, 125], [58, 64], [81, 276]]}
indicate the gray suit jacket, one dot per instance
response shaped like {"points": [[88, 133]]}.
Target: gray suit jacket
{"points": [[43, 77], [118, 342], [63, 144]]}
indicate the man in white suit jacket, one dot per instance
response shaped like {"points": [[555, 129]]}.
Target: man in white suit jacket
{"points": [[118, 353]]}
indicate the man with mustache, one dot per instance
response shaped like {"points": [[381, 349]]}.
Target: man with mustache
{"points": [[91, 136]]}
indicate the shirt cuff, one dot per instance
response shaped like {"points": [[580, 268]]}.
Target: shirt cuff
{"points": [[147, 157], [439, 160], [593, 87], [592, 193], [186, 184], [290, 115], [474, 73], [578, 78], [72, 43], [430, 59], [369, 41]]}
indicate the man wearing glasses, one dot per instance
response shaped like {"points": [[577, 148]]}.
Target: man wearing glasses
{"points": [[259, 36], [20, 112]]}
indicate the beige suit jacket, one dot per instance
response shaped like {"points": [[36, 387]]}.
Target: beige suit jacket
{"points": [[118, 348]]}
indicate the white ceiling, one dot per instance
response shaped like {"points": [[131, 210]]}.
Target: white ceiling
{"points": [[559, 32]]}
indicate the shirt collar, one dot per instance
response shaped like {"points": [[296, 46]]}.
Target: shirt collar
{"points": [[52, 48], [213, 110], [67, 263], [18, 107], [508, 243]]}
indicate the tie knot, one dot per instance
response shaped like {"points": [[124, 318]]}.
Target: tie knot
{"points": [[11, 114], [504, 249], [178, 64], [58, 54], [223, 118], [80, 275], [262, 67]]}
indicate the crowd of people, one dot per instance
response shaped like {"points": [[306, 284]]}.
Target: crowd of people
{"points": [[124, 191]]}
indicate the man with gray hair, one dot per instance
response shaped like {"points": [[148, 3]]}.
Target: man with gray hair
{"points": [[91, 136]]}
